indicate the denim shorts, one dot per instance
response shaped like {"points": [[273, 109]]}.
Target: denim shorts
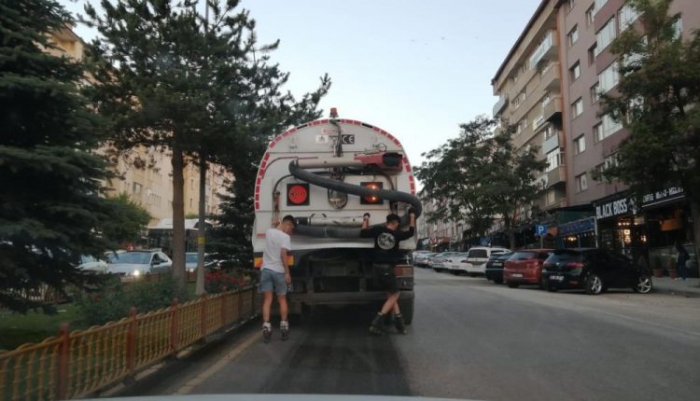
{"points": [[271, 280]]}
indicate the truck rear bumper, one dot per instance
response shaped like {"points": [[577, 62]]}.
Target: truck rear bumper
{"points": [[344, 298]]}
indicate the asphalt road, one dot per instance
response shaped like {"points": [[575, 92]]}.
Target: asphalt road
{"points": [[471, 340]]}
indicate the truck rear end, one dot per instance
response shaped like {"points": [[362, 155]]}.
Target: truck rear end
{"points": [[327, 174]]}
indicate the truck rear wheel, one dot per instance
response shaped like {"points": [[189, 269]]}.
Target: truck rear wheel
{"points": [[406, 307]]}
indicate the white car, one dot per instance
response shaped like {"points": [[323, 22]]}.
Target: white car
{"points": [[136, 263], [89, 263], [473, 262], [420, 258]]}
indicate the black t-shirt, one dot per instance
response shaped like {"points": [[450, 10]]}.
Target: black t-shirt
{"points": [[386, 242]]}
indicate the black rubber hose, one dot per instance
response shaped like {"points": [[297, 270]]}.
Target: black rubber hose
{"points": [[343, 232]]}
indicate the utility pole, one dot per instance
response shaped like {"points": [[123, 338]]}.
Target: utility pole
{"points": [[202, 225]]}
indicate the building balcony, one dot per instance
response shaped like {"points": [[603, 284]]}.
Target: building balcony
{"points": [[556, 175], [550, 79], [500, 105], [551, 143], [551, 110], [546, 49]]}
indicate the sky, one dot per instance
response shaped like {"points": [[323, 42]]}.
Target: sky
{"points": [[416, 69]]}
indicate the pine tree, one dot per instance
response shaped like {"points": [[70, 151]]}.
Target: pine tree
{"points": [[50, 208], [170, 78]]}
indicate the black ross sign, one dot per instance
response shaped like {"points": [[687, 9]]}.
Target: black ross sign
{"points": [[613, 208]]}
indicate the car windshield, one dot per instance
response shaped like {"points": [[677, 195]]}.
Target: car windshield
{"points": [[142, 258], [478, 253], [352, 173], [564, 257]]}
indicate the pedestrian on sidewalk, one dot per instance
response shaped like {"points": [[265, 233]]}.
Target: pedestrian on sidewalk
{"points": [[384, 258], [275, 276], [681, 259]]}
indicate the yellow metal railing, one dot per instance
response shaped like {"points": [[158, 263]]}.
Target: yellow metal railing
{"points": [[79, 363]]}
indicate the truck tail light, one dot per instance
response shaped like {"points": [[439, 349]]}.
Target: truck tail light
{"points": [[372, 200], [297, 194]]}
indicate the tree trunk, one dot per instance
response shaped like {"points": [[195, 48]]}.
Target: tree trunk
{"points": [[695, 213], [178, 245], [201, 230], [511, 234]]}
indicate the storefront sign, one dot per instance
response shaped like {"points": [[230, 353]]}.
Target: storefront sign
{"points": [[663, 196], [577, 227], [612, 209]]}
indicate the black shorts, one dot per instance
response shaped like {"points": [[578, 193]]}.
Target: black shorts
{"points": [[386, 278]]}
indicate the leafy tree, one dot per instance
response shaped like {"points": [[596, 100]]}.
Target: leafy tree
{"points": [[656, 100], [127, 220], [50, 204], [170, 78], [511, 174], [479, 177], [451, 177]]}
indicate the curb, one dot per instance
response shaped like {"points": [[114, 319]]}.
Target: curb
{"points": [[164, 369], [677, 292]]}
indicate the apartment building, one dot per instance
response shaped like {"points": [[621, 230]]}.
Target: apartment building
{"points": [[576, 35], [528, 84], [646, 230], [145, 174]]}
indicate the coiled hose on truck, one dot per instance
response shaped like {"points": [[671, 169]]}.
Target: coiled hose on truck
{"points": [[345, 232]]}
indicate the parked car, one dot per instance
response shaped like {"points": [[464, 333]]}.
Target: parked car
{"points": [[525, 267], [136, 263], [111, 256], [594, 270], [420, 258], [90, 263], [437, 262], [453, 263], [191, 259], [474, 261], [494, 266]]}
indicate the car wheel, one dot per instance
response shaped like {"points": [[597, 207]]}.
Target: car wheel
{"points": [[552, 288], [498, 281], [543, 284], [644, 285], [594, 284], [513, 285]]}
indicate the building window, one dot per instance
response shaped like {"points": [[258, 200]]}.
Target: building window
{"points": [[581, 182], [595, 92], [573, 36], [580, 144], [549, 132], [592, 53], [610, 161], [577, 108], [609, 78], [191, 183], [575, 71], [554, 159], [551, 197], [599, 4], [598, 132], [137, 189], [190, 202], [605, 36], [627, 16], [610, 126], [571, 4], [590, 15], [678, 28]]}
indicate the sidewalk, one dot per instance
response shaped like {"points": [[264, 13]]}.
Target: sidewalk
{"points": [[689, 288]]}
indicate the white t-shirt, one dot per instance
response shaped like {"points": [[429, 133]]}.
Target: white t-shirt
{"points": [[275, 240]]}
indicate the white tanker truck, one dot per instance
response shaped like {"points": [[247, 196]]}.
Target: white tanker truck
{"points": [[328, 173]]}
